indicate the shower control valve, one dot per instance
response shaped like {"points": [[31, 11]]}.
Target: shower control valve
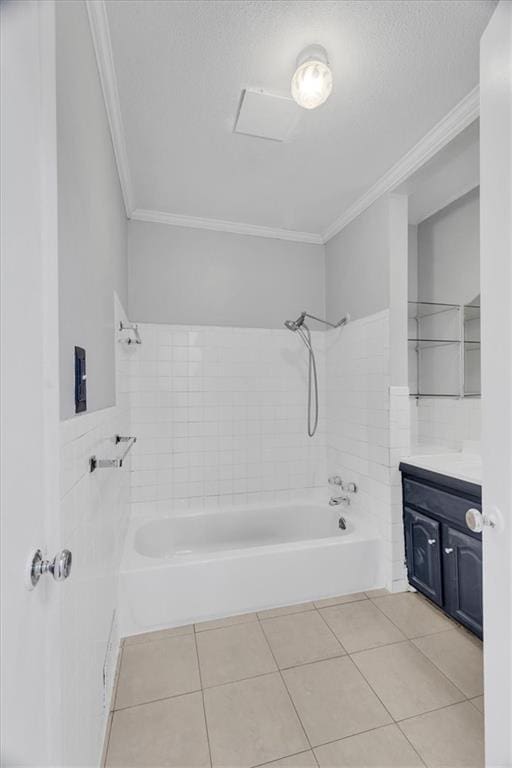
{"points": [[337, 480]]}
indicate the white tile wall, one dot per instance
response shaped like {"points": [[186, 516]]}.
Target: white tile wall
{"points": [[220, 417], [94, 516], [368, 429], [358, 409], [445, 422]]}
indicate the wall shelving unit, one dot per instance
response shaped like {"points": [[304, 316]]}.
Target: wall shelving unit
{"points": [[444, 349]]}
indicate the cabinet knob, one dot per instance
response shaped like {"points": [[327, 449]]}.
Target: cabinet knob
{"points": [[431, 541], [448, 550]]}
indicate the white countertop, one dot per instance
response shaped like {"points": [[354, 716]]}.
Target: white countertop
{"points": [[460, 464]]}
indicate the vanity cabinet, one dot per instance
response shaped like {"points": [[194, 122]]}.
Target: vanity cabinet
{"points": [[443, 557]]}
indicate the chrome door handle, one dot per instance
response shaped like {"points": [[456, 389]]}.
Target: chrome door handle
{"points": [[431, 541], [475, 521], [59, 567], [448, 550]]}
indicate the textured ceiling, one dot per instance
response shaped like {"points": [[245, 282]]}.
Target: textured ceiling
{"points": [[398, 67]]}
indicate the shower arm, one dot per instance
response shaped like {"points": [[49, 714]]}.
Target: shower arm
{"points": [[344, 320]]}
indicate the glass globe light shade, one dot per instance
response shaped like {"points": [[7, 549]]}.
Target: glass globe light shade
{"points": [[312, 80]]}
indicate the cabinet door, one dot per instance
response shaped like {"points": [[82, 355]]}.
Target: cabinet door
{"points": [[423, 554], [462, 567]]}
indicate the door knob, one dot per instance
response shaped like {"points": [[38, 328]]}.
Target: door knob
{"points": [[448, 550], [59, 567], [431, 541], [475, 521]]}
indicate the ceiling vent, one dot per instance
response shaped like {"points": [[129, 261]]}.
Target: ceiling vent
{"points": [[266, 116]]}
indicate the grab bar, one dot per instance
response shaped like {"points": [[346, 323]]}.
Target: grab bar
{"points": [[95, 463]]}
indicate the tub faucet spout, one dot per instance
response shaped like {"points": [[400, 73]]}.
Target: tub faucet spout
{"points": [[343, 498]]}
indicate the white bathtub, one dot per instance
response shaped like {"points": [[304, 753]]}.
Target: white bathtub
{"points": [[203, 565]]}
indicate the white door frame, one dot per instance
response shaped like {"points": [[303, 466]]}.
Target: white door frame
{"points": [[496, 284], [31, 653]]}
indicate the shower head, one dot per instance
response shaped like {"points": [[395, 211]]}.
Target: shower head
{"points": [[294, 325]]}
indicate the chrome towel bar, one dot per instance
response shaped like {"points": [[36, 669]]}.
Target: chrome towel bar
{"points": [[95, 463]]}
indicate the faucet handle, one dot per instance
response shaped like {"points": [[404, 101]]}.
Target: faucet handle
{"points": [[335, 480], [350, 487]]}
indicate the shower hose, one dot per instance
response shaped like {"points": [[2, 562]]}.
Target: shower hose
{"points": [[305, 335]]}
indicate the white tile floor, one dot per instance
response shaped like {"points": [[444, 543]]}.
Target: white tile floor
{"points": [[372, 679]]}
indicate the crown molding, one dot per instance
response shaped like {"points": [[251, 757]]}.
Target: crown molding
{"points": [[218, 225], [464, 113], [98, 21]]}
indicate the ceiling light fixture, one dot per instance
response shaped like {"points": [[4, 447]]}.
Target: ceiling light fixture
{"points": [[312, 80]]}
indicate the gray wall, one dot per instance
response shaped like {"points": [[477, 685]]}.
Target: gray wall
{"points": [[201, 277], [357, 265], [449, 252], [92, 223]]}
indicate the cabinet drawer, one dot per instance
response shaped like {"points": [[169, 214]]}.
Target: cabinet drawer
{"points": [[438, 503]]}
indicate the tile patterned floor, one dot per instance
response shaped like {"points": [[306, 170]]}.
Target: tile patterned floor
{"points": [[367, 680]]}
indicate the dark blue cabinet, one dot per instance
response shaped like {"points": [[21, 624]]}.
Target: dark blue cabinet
{"points": [[443, 558], [423, 550], [462, 572]]}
